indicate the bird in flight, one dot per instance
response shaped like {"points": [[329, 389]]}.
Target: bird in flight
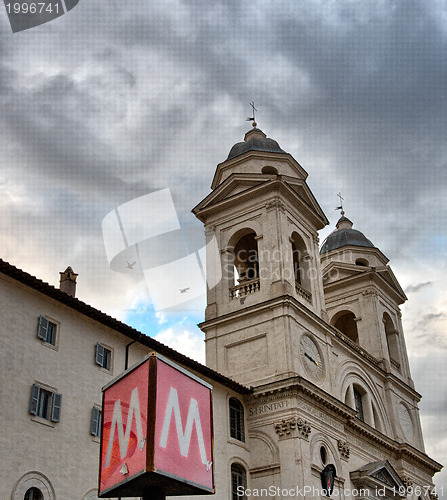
{"points": [[131, 266], [183, 290]]}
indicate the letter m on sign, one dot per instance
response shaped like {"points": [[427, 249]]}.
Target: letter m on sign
{"points": [[183, 426], [117, 424], [184, 438]]}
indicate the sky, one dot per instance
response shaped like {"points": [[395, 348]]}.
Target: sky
{"points": [[116, 100]]}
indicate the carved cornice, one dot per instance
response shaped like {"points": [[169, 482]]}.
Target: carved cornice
{"points": [[275, 204], [343, 448], [285, 427], [409, 452]]}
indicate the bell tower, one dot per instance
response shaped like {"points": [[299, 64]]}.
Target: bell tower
{"points": [[363, 297], [265, 220]]}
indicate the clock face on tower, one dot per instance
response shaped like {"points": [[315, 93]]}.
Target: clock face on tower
{"points": [[311, 358], [405, 421]]}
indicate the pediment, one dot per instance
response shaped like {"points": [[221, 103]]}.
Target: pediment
{"points": [[379, 476], [237, 184], [384, 476], [232, 186], [300, 187], [337, 271], [387, 274]]}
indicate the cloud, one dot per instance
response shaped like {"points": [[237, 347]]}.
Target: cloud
{"points": [[428, 318], [417, 287], [184, 341]]}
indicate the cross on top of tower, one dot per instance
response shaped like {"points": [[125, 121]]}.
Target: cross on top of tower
{"points": [[253, 118], [342, 213]]}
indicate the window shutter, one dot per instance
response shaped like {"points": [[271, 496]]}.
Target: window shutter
{"points": [[56, 409], [34, 402], [95, 422], [237, 420], [100, 423], [99, 354], [42, 329]]}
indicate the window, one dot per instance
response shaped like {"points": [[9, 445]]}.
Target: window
{"points": [[237, 430], [269, 170], [346, 322], [246, 258], [33, 486], [358, 405], [33, 494], [103, 357], [301, 262], [362, 262], [238, 482], [46, 330], [45, 403], [392, 340], [323, 455], [95, 423]]}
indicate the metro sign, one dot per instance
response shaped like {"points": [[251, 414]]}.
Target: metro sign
{"points": [[157, 431]]}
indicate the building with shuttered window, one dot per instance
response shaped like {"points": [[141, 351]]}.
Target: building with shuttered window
{"points": [[57, 353], [304, 349]]}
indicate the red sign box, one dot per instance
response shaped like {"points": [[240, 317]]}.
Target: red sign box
{"points": [[157, 431]]}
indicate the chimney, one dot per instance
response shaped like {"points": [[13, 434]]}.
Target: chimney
{"points": [[68, 281]]}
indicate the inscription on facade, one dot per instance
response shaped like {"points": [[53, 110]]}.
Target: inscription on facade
{"points": [[268, 407], [415, 470], [365, 446], [320, 415]]}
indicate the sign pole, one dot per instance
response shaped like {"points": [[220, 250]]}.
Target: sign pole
{"points": [[154, 494]]}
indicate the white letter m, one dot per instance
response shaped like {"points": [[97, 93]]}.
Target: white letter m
{"points": [[184, 439], [117, 421]]}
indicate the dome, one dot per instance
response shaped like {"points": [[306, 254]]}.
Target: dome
{"points": [[255, 140], [344, 236]]}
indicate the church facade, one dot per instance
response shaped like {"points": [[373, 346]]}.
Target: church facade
{"points": [[312, 392], [316, 334]]}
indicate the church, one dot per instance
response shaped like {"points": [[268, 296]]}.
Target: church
{"points": [[305, 351]]}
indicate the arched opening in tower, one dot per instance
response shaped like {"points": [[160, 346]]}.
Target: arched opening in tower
{"points": [[392, 340], [301, 262], [246, 260], [346, 323]]}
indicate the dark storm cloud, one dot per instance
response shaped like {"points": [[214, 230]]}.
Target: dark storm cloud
{"points": [[359, 84], [381, 86], [376, 74], [50, 126]]}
